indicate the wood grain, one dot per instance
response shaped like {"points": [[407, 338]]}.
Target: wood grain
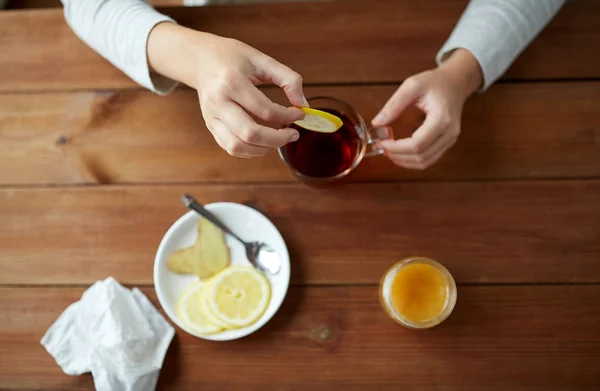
{"points": [[484, 232], [514, 131], [498, 338], [383, 41]]}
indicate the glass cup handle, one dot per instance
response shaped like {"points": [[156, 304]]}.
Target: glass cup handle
{"points": [[377, 134]]}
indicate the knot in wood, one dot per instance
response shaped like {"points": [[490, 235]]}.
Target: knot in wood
{"points": [[321, 333]]}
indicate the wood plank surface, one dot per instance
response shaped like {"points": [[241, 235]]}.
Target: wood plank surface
{"points": [[513, 210], [549, 130], [383, 41], [498, 338], [484, 232]]}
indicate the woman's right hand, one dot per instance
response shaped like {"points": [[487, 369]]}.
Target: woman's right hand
{"points": [[225, 72]]}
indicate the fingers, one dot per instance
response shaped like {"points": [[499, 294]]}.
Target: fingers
{"points": [[246, 129], [271, 71], [426, 145], [435, 125], [227, 106], [429, 157], [257, 104], [231, 143], [408, 92]]}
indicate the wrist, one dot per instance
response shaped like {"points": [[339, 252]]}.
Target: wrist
{"points": [[464, 72], [172, 52]]}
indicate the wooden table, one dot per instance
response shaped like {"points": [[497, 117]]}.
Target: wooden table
{"points": [[92, 167]]}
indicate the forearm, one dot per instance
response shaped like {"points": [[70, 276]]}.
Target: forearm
{"points": [[118, 30], [497, 31], [173, 49]]}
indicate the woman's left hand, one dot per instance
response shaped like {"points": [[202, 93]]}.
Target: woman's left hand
{"points": [[440, 93]]}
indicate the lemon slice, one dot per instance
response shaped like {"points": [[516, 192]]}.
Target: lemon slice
{"points": [[191, 313], [238, 296], [319, 121], [206, 308]]}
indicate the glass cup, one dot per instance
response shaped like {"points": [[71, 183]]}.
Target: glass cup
{"points": [[322, 158], [386, 293]]}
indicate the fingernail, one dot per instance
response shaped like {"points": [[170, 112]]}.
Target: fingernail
{"points": [[381, 147], [296, 136], [378, 120], [305, 101]]}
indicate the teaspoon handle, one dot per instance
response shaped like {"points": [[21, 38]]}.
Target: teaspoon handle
{"points": [[194, 205]]}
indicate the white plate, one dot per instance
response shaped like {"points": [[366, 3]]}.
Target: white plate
{"points": [[250, 225]]}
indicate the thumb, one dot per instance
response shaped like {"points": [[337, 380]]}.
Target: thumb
{"points": [[272, 71], [405, 95]]}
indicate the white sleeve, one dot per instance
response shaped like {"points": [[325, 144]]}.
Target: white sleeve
{"points": [[497, 31], [118, 30]]}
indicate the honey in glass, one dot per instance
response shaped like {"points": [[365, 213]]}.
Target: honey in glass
{"points": [[418, 293]]}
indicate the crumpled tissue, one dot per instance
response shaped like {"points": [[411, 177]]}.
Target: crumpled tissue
{"points": [[114, 333]]}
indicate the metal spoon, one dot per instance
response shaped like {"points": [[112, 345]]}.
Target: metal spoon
{"points": [[259, 254]]}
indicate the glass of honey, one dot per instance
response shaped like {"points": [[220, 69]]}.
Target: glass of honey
{"points": [[418, 293]]}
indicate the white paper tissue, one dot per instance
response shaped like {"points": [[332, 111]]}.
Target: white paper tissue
{"points": [[114, 333]]}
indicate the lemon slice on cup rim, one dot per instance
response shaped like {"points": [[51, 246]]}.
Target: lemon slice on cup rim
{"points": [[319, 121]]}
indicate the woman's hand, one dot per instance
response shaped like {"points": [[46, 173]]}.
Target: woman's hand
{"points": [[225, 72], [440, 93]]}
